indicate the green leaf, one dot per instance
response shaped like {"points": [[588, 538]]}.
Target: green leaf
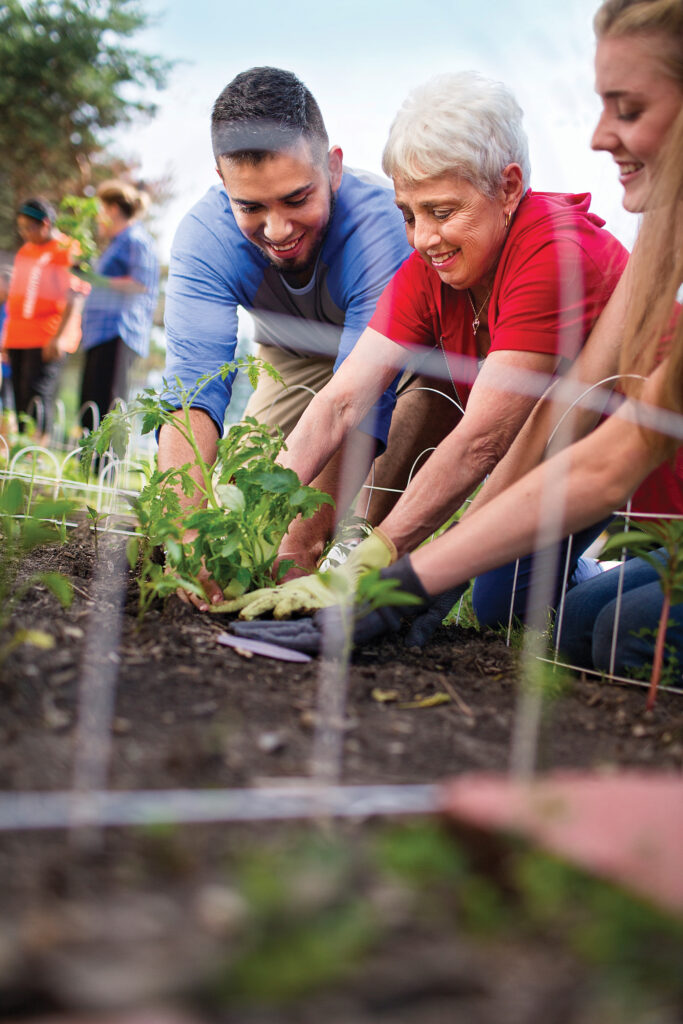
{"points": [[276, 480], [150, 422], [12, 497], [230, 497], [174, 550], [119, 437], [53, 509], [132, 551], [59, 586], [631, 540], [374, 592], [283, 567], [34, 533]]}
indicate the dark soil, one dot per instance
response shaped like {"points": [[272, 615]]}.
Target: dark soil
{"points": [[99, 921]]}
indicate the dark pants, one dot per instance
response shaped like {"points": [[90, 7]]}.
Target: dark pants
{"points": [[35, 384], [105, 377], [493, 590], [588, 621]]}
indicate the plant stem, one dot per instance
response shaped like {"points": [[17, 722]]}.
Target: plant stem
{"points": [[659, 652]]}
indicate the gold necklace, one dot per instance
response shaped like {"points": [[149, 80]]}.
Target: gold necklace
{"points": [[477, 313]]}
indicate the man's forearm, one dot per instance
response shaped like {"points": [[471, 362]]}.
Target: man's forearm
{"points": [[175, 450]]}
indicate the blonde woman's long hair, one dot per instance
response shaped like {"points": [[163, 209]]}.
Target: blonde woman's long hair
{"points": [[655, 18], [657, 264], [657, 260]]}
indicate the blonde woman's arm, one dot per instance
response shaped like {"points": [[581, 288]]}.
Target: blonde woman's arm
{"points": [[573, 489]]}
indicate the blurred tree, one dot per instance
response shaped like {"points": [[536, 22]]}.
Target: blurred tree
{"points": [[68, 76]]}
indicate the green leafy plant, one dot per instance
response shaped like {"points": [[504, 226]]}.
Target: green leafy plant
{"points": [[660, 544], [241, 506], [671, 665], [95, 518], [77, 218], [372, 592], [20, 533]]}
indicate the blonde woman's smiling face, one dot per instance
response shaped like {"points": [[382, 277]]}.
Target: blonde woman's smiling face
{"points": [[640, 103]]}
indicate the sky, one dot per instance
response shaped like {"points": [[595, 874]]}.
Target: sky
{"points": [[360, 58]]}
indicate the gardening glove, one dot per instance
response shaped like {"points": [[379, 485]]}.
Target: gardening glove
{"points": [[375, 552], [310, 593], [307, 634], [297, 634], [439, 605], [426, 624], [304, 595]]}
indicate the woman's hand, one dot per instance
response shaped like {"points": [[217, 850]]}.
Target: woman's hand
{"points": [[310, 593]]}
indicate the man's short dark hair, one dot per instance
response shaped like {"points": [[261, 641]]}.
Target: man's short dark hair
{"points": [[264, 111]]}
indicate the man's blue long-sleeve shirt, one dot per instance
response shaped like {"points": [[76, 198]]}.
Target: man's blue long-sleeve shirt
{"points": [[214, 269]]}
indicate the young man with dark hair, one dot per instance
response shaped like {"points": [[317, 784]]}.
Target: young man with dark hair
{"points": [[305, 245]]}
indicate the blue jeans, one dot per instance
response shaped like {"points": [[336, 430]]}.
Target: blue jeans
{"points": [[493, 590], [588, 621]]}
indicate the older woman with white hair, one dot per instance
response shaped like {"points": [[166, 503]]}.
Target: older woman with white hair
{"points": [[506, 282]]}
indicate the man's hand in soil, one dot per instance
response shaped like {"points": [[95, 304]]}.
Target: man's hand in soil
{"points": [[308, 634], [310, 593], [212, 595]]}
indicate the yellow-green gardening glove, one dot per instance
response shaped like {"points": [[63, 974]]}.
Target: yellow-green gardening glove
{"points": [[310, 593], [375, 552], [302, 596]]}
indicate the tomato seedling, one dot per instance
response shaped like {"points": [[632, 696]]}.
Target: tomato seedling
{"points": [[240, 507]]}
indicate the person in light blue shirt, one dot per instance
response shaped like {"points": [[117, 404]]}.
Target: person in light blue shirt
{"points": [[301, 242], [118, 314]]}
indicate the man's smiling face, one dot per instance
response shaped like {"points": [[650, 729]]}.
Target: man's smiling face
{"points": [[283, 204]]}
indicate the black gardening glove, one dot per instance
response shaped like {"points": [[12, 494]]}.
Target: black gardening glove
{"points": [[306, 634]]}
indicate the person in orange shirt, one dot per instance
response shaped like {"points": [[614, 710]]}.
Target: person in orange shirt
{"points": [[43, 306]]}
